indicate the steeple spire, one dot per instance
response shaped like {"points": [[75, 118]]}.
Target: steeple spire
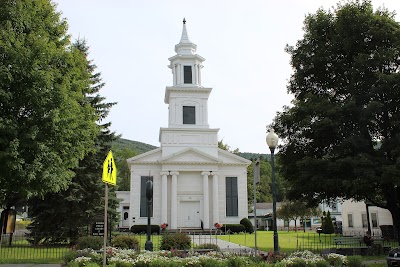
{"points": [[184, 37], [185, 46]]}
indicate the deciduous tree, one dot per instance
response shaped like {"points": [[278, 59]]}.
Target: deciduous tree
{"points": [[47, 123], [341, 137]]}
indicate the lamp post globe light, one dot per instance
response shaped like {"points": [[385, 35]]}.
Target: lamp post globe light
{"points": [[272, 141]]}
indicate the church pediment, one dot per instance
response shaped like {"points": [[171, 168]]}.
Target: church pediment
{"points": [[150, 157], [231, 159], [190, 156]]}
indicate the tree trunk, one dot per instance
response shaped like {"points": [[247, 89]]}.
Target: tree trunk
{"points": [[295, 225], [392, 205]]}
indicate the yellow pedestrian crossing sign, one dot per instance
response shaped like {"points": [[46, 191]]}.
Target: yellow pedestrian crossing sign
{"points": [[109, 170]]}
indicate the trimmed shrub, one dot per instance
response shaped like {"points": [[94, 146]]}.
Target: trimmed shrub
{"points": [[175, 241], [70, 255], [248, 226], [208, 246], [233, 228], [125, 242], [142, 228], [93, 242], [354, 261], [327, 225]]}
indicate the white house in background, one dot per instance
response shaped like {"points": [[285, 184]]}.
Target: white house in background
{"points": [[355, 219], [123, 209], [195, 184], [264, 217]]}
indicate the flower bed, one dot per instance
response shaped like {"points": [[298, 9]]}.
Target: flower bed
{"points": [[174, 258]]}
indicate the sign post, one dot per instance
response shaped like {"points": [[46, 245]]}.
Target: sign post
{"points": [[109, 177]]}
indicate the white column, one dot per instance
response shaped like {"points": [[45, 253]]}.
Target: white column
{"points": [[175, 74], [206, 204], [178, 74], [199, 76], [195, 73], [215, 198], [174, 200], [164, 197]]}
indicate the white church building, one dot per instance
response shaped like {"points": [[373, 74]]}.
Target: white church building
{"points": [[195, 184]]}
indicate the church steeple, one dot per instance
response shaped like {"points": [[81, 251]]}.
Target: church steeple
{"points": [[185, 46], [186, 65], [187, 98]]}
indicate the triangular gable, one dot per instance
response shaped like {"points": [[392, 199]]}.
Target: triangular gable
{"points": [[152, 156], [232, 159], [190, 155]]}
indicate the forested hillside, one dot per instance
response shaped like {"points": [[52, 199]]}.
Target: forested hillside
{"points": [[135, 146]]}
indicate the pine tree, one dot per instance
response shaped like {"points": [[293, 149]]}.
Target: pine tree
{"points": [[327, 225], [70, 212]]}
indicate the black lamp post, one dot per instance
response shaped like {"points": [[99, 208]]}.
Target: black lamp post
{"points": [[149, 195], [272, 141]]}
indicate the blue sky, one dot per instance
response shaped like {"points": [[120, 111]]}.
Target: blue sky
{"points": [[242, 41]]}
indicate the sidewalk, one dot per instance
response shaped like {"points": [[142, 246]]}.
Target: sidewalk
{"points": [[223, 245]]}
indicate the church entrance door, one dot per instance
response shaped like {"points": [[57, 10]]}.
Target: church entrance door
{"points": [[190, 213]]}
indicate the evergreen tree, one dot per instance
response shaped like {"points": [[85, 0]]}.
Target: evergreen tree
{"points": [[70, 212], [327, 225], [124, 173]]}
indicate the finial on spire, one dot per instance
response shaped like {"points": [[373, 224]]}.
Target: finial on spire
{"points": [[184, 21]]}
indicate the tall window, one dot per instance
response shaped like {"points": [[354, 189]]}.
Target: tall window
{"points": [[350, 219], [374, 219], [231, 196], [143, 198], [364, 220], [189, 115], [187, 74]]}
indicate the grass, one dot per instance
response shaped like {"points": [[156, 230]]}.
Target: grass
{"points": [[20, 254], [288, 241]]}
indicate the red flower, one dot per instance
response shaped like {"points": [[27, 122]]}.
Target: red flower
{"points": [[164, 226], [218, 225]]}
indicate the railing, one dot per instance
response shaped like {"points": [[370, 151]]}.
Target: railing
{"points": [[53, 247], [19, 247]]}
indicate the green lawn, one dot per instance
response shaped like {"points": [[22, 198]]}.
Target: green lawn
{"points": [[19, 254], [288, 241]]}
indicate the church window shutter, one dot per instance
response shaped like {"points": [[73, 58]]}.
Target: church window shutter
{"points": [[189, 115], [231, 196], [187, 74], [143, 198]]}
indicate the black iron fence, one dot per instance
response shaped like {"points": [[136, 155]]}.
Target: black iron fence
{"points": [[19, 246], [44, 247]]}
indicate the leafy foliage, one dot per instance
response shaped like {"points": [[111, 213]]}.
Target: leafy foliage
{"points": [[327, 225], [175, 241], [341, 136], [233, 228], [126, 242], [264, 188], [46, 123], [208, 246], [70, 211], [124, 173], [135, 146], [93, 242], [248, 226], [142, 228], [293, 210]]}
